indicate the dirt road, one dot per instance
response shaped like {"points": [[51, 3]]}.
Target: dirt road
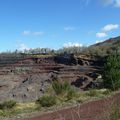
{"points": [[93, 110]]}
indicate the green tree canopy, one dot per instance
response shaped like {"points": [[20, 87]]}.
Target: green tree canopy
{"points": [[111, 74]]}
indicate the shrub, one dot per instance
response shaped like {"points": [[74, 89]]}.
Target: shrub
{"points": [[92, 93], [111, 74], [60, 88], [66, 86], [71, 93], [65, 90], [7, 104], [46, 101], [106, 92], [57, 87]]}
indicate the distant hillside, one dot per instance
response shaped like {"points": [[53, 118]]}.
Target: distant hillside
{"points": [[110, 42], [104, 48]]}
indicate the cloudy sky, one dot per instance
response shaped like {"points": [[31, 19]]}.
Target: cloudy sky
{"points": [[28, 24]]}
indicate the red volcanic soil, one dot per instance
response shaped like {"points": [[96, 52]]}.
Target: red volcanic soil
{"points": [[20, 78], [94, 110]]}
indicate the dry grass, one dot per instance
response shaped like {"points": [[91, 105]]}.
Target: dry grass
{"points": [[22, 106], [62, 102]]}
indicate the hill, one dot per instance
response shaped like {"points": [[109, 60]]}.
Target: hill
{"points": [[104, 48], [112, 42]]}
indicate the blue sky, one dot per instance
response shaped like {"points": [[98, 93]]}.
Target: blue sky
{"points": [[57, 23]]}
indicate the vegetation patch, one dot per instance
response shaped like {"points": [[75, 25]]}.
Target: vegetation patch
{"points": [[111, 73], [115, 114], [46, 101], [60, 88], [7, 104]]}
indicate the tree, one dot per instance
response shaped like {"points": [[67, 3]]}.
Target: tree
{"points": [[111, 74]]}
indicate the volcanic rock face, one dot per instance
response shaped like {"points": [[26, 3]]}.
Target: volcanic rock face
{"points": [[27, 79], [32, 87]]}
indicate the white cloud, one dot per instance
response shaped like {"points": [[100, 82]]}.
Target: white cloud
{"points": [[85, 2], [107, 28], [36, 33], [91, 32], [26, 32], [21, 46], [70, 44], [114, 3], [68, 28], [110, 27], [99, 41], [101, 34], [117, 3], [107, 2]]}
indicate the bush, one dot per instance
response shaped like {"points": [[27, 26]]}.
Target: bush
{"points": [[60, 88], [57, 87], [46, 101], [111, 74], [65, 90], [71, 93], [92, 93], [106, 92], [66, 86], [7, 104]]}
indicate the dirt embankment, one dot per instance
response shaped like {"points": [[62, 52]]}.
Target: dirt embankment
{"points": [[27, 79], [94, 110]]}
